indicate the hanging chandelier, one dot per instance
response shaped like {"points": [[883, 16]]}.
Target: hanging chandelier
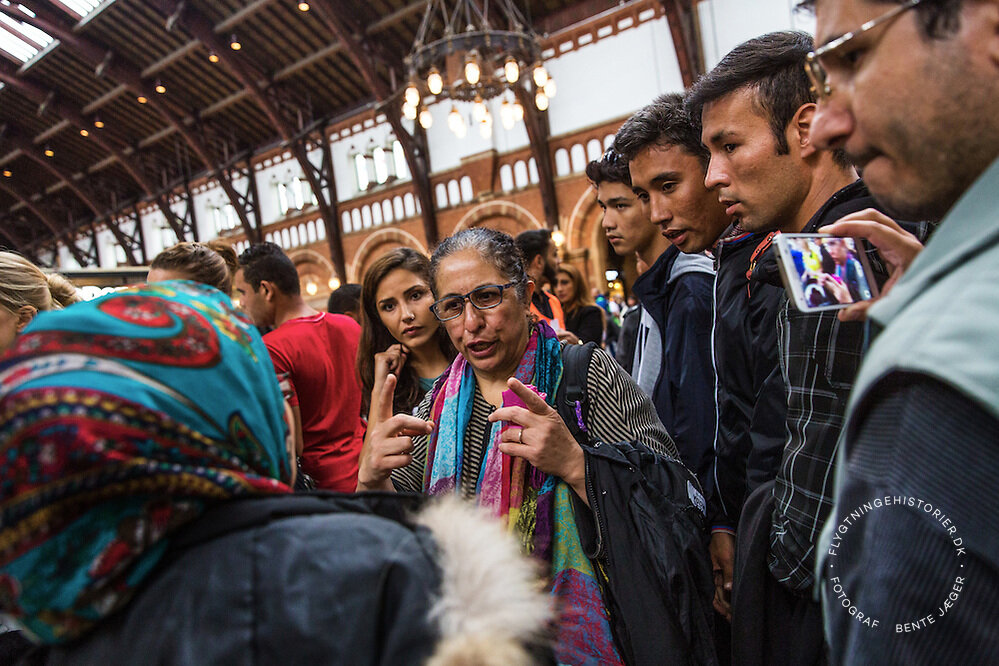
{"points": [[474, 51]]}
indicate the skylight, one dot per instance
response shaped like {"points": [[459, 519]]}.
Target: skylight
{"points": [[21, 40], [79, 7]]}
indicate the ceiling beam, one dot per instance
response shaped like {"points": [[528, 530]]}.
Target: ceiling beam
{"points": [[94, 54], [683, 26], [47, 220], [203, 30], [363, 52]]}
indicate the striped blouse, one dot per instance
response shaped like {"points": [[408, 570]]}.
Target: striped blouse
{"points": [[618, 411]]}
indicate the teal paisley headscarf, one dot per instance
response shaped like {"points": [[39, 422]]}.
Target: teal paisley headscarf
{"points": [[122, 419]]}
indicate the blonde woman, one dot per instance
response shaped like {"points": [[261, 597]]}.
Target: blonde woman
{"points": [[26, 290]]}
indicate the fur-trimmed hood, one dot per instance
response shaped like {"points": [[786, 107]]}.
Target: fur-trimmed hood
{"points": [[492, 607]]}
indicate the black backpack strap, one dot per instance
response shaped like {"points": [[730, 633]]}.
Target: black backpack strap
{"points": [[571, 400]]}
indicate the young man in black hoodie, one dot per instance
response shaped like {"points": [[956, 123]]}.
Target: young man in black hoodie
{"points": [[667, 162], [756, 110], [673, 349]]}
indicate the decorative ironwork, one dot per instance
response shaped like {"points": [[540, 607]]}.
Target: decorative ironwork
{"points": [[465, 52]]}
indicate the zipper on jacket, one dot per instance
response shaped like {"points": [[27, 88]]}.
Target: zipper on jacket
{"points": [[591, 495]]}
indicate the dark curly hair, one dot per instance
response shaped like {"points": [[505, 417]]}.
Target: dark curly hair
{"points": [[267, 261], [938, 18], [662, 123]]}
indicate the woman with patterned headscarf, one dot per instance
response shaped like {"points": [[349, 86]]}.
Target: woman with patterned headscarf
{"points": [[145, 512]]}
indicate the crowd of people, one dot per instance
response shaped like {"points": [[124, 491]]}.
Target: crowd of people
{"points": [[741, 481]]}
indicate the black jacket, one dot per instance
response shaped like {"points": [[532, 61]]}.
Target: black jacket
{"points": [[270, 581], [646, 531], [750, 393], [676, 291]]}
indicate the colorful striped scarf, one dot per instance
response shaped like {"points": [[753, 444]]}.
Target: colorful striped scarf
{"points": [[122, 419], [535, 506]]}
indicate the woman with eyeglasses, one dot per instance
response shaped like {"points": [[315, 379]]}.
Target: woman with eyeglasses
{"points": [[488, 431], [399, 333], [146, 513]]}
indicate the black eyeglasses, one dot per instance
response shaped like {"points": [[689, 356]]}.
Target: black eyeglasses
{"points": [[817, 73], [483, 298]]}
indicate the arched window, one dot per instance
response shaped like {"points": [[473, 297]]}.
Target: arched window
{"points": [[578, 155], [366, 216], [285, 238], [409, 204], [532, 171], [381, 165], [520, 174], [397, 210], [440, 191], [593, 150], [506, 178], [562, 166], [466, 189], [401, 168], [361, 172], [320, 229], [453, 193], [608, 141], [293, 233], [282, 196], [376, 214], [355, 219], [311, 232], [387, 210], [345, 219]]}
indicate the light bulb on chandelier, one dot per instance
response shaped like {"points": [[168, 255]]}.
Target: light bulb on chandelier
{"points": [[507, 115], [412, 95], [541, 101], [540, 75], [426, 119], [511, 69], [435, 82], [409, 111], [472, 70], [479, 110]]}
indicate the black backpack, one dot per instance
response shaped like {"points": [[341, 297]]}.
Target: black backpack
{"points": [[653, 554]]}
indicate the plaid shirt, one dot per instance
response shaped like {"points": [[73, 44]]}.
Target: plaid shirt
{"points": [[818, 359]]}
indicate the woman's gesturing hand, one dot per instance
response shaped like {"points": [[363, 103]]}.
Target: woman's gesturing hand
{"points": [[897, 247], [541, 439], [390, 361], [388, 443]]}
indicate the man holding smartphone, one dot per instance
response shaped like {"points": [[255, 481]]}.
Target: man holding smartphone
{"points": [[756, 110], [909, 89]]}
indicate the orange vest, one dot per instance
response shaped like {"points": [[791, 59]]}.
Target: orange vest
{"points": [[557, 315]]}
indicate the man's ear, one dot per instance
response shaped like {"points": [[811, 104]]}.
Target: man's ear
{"points": [[800, 129], [529, 290], [537, 265], [267, 290], [24, 316]]}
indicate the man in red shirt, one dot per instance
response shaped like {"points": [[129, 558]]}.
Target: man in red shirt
{"points": [[313, 352]]}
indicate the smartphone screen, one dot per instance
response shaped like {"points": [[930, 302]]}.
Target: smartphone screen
{"points": [[823, 272]]}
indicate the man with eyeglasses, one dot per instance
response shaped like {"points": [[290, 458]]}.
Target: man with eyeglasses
{"points": [[909, 90], [756, 109]]}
